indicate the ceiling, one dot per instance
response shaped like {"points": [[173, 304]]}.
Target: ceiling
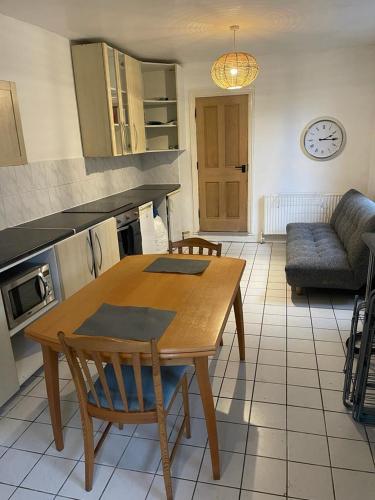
{"points": [[197, 30]]}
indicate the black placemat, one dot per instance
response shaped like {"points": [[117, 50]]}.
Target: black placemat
{"points": [[178, 266], [127, 323]]}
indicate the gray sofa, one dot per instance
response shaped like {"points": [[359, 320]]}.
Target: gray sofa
{"points": [[332, 255]]}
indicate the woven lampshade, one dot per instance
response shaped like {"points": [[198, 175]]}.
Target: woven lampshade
{"points": [[234, 70]]}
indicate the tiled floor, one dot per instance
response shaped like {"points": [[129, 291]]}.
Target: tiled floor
{"points": [[282, 427]]}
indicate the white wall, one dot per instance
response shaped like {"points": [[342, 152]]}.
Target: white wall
{"points": [[57, 176], [39, 62], [289, 92]]}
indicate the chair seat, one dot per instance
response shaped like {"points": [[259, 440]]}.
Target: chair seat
{"points": [[170, 376]]}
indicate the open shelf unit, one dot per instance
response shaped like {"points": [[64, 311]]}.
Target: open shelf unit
{"points": [[160, 105]]}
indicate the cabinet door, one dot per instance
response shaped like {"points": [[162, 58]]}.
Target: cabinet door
{"points": [[134, 87], [12, 147], [105, 245], [8, 372], [146, 220], [75, 260], [174, 216]]}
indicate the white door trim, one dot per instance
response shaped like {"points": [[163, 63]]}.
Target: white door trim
{"points": [[209, 92]]}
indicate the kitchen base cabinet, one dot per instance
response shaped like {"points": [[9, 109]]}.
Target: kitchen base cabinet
{"points": [[146, 221], [75, 259], [105, 245], [8, 371], [174, 216]]}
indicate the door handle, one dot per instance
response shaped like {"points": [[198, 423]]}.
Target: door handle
{"points": [[243, 168]]}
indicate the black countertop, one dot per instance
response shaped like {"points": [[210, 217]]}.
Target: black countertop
{"points": [[26, 239], [15, 244]]}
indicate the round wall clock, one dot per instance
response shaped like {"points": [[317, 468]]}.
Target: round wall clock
{"points": [[323, 138]]}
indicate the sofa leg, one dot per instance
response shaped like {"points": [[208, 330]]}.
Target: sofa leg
{"points": [[299, 290]]}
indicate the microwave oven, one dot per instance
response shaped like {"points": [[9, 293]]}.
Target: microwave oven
{"points": [[26, 291]]}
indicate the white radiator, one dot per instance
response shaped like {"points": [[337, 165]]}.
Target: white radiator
{"points": [[280, 209]]}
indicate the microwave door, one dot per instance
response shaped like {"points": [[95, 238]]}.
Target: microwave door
{"points": [[25, 298]]}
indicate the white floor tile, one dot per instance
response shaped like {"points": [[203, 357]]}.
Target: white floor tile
{"points": [[250, 354], [182, 490], [49, 474], [69, 410], [271, 373], [331, 380], [231, 469], [349, 454], [233, 410], [301, 333], [135, 484], [142, 455], [342, 425], [232, 437], [11, 430], [240, 370], [309, 481], [330, 363], [305, 420], [111, 450], [350, 485], [308, 448], [302, 377], [332, 400], [301, 345], [28, 408], [273, 343], [268, 415], [37, 438], [73, 445], [6, 491], [269, 393], [214, 492], [329, 348], [186, 463], [235, 388], [255, 495], [15, 465], [273, 331], [265, 475], [306, 397], [266, 442], [75, 484], [267, 357]]}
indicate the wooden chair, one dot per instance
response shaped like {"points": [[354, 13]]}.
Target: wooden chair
{"points": [[192, 243], [130, 393], [199, 243]]}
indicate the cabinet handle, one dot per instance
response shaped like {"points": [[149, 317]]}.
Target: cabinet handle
{"points": [[91, 268], [101, 251]]}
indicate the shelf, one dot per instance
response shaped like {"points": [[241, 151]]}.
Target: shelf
{"points": [[157, 101], [162, 150], [163, 125]]}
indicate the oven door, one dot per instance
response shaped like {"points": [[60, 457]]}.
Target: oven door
{"points": [[24, 296], [129, 239]]}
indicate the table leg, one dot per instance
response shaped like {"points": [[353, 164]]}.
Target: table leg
{"points": [[238, 314], [201, 370], [51, 371]]}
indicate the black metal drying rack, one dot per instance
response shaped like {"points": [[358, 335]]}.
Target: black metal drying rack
{"points": [[359, 385]]}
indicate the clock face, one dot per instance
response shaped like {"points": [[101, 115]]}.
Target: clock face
{"points": [[323, 139]]}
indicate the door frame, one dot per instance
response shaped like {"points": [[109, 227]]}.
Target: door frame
{"points": [[209, 92]]}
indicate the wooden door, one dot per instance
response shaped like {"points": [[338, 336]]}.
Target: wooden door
{"points": [[134, 87], [12, 147], [76, 264], [222, 148], [105, 245]]}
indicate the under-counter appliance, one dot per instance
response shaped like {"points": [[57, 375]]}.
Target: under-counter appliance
{"points": [[26, 290], [129, 233]]}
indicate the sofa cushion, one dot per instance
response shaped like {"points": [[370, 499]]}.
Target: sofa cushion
{"points": [[317, 258], [353, 216]]}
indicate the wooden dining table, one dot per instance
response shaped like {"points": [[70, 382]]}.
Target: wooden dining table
{"points": [[202, 304]]}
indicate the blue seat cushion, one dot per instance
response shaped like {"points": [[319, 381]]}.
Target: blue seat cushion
{"points": [[170, 376]]}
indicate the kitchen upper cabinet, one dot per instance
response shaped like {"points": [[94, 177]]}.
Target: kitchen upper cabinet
{"points": [[75, 259], [134, 88], [12, 146], [105, 245], [109, 91]]}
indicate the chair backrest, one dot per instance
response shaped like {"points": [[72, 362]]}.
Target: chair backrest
{"points": [[103, 351], [200, 243]]}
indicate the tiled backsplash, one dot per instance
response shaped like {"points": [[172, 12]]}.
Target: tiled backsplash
{"points": [[41, 188]]}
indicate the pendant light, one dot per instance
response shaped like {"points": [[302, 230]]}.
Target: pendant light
{"points": [[234, 70]]}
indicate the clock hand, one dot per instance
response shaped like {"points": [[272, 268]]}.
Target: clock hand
{"points": [[328, 139], [330, 135]]}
